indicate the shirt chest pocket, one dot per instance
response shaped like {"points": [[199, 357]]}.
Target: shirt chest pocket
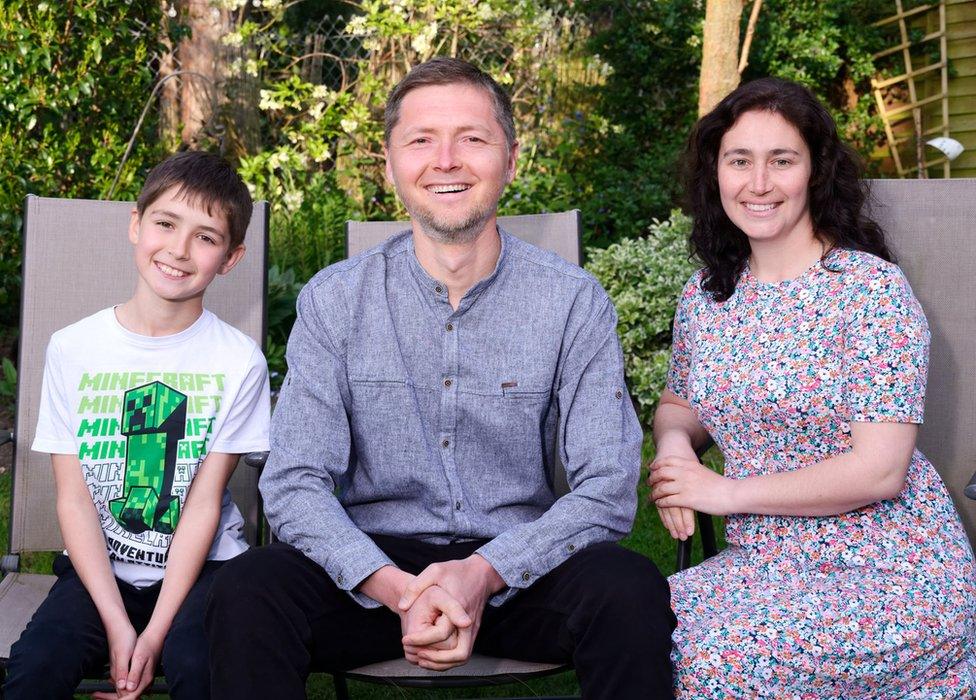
{"points": [[531, 393]]}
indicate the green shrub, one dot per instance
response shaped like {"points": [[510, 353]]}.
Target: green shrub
{"points": [[75, 78], [8, 384], [644, 277], [283, 289]]}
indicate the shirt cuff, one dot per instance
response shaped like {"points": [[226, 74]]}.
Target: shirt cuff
{"points": [[352, 565], [518, 571]]}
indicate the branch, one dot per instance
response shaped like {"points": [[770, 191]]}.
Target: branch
{"points": [[753, 18]]}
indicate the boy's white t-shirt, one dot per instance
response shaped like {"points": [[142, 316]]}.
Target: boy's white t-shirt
{"points": [[141, 413]]}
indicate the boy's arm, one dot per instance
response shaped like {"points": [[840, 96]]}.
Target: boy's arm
{"points": [[187, 552], [85, 542]]}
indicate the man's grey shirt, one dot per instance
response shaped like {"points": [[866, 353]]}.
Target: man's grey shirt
{"points": [[401, 416]]}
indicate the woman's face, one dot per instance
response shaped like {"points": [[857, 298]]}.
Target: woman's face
{"points": [[763, 178]]}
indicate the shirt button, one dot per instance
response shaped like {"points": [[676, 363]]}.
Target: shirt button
{"points": [[526, 576], [457, 505], [450, 326], [571, 547], [339, 579], [438, 289], [447, 383], [446, 443], [620, 394]]}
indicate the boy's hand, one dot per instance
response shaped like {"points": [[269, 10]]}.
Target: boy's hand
{"points": [[145, 656], [138, 671], [121, 643]]}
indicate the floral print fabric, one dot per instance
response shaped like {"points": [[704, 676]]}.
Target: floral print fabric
{"points": [[875, 603]]}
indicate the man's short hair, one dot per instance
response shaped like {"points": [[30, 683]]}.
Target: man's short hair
{"points": [[447, 71], [208, 181]]}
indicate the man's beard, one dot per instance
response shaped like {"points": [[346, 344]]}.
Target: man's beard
{"points": [[458, 232]]}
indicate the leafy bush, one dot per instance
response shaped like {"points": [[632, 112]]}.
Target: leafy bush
{"points": [[75, 78], [283, 289], [644, 277], [8, 384]]}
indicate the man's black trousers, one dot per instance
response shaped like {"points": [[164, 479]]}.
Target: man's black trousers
{"points": [[274, 615]]}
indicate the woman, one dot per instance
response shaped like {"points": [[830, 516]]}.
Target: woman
{"points": [[801, 350]]}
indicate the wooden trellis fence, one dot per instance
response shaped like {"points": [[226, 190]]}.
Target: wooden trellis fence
{"points": [[895, 106]]}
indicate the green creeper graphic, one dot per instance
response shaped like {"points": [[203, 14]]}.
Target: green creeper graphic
{"points": [[153, 421]]}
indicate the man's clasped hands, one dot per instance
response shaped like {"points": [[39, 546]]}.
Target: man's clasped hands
{"points": [[440, 609]]}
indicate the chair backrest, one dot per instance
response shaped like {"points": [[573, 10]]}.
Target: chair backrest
{"points": [[931, 225], [77, 260], [558, 232]]}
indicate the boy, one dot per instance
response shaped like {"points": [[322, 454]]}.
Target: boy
{"points": [[139, 401]]}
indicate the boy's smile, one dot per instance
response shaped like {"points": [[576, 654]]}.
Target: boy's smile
{"points": [[180, 248]]}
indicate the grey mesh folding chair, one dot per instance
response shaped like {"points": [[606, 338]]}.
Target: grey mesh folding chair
{"points": [[76, 261], [931, 226], [559, 233]]}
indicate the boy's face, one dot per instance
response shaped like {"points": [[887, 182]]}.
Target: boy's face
{"points": [[180, 248]]}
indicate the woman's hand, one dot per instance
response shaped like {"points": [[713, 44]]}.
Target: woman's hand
{"points": [[686, 483], [680, 522]]}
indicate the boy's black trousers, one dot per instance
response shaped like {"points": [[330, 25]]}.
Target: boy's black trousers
{"points": [[274, 615], [65, 641]]}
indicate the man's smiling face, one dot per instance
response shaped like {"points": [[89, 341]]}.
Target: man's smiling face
{"points": [[449, 160]]}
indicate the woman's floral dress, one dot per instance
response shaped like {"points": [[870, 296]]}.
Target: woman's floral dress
{"points": [[875, 603]]}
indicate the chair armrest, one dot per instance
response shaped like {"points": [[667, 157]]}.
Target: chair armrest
{"points": [[256, 459]]}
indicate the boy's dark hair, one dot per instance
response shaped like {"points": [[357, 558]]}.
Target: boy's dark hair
{"points": [[209, 181], [447, 71]]}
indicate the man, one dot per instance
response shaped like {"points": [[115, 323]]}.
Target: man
{"points": [[410, 475]]}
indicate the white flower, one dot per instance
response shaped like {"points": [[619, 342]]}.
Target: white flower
{"points": [[315, 111], [320, 153], [232, 39], [251, 67], [485, 12], [422, 42], [321, 92], [293, 200], [268, 101], [272, 4], [349, 125], [357, 26]]}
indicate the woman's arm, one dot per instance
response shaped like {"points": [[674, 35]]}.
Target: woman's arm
{"points": [[85, 542], [187, 552], [676, 430], [677, 433], [873, 470]]}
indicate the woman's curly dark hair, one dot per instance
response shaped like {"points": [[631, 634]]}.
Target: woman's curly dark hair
{"points": [[837, 192]]}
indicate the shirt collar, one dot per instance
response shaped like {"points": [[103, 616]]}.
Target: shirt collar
{"points": [[435, 290]]}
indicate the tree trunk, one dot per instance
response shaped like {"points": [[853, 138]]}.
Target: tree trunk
{"points": [[169, 92], [201, 60], [720, 52]]}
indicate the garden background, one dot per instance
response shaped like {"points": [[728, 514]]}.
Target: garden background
{"points": [[95, 92]]}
